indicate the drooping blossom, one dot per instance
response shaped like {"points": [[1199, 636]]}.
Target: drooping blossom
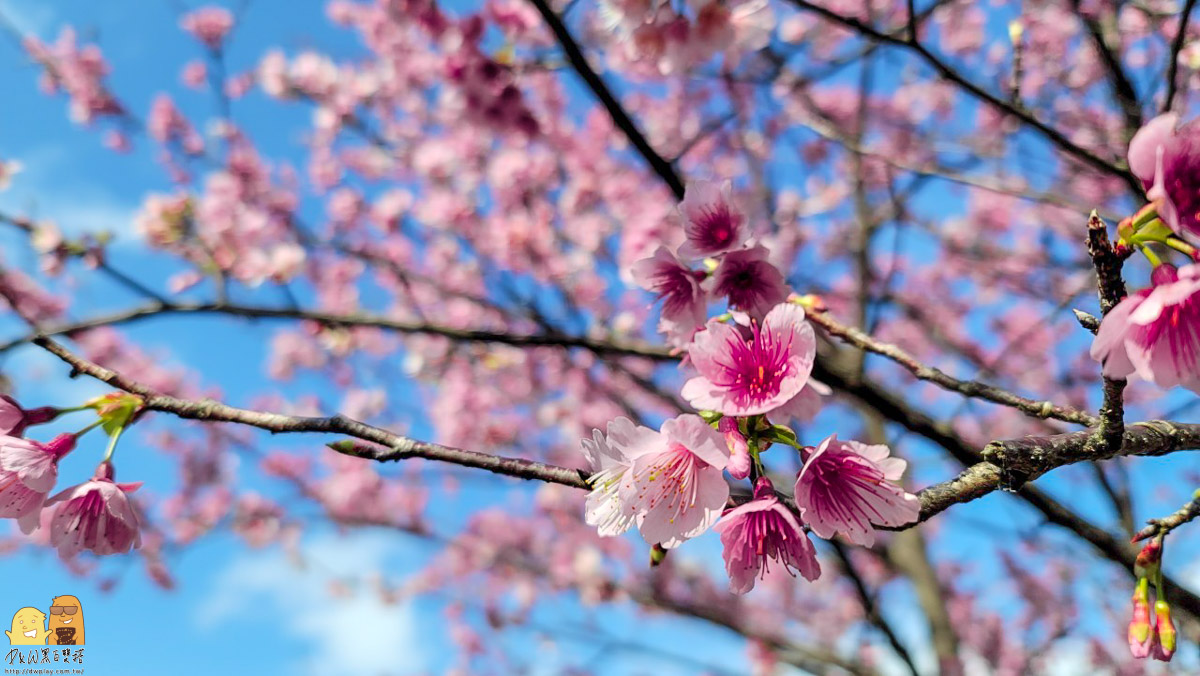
{"points": [[208, 24], [685, 304], [742, 377], [14, 419], [1165, 156], [762, 530], [845, 486], [750, 281], [713, 223], [1155, 332], [95, 515], [669, 483], [28, 471]]}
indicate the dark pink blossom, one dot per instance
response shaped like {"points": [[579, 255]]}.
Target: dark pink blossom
{"points": [[750, 281], [28, 471], [95, 515], [713, 223], [845, 486], [759, 531], [1155, 332], [685, 305], [740, 377], [1166, 158]]}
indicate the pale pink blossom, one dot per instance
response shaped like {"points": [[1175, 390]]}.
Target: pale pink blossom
{"points": [[678, 486], [760, 531], [28, 471], [209, 25], [845, 486], [669, 483], [8, 169], [610, 458], [96, 515], [742, 377]]}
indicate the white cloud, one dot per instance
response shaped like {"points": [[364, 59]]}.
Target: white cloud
{"points": [[355, 635]]}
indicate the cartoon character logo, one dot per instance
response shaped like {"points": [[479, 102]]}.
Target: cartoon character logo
{"points": [[66, 621], [28, 628]]}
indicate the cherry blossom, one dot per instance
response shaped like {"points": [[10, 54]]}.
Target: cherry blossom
{"points": [[96, 515], [760, 531], [845, 486], [741, 377]]}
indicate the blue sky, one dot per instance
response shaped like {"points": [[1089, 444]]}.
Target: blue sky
{"points": [[252, 611]]}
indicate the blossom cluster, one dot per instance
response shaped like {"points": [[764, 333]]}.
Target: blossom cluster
{"points": [[95, 515], [753, 367]]}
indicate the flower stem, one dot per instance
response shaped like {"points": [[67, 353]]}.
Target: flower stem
{"points": [[112, 443], [91, 426], [1150, 255]]}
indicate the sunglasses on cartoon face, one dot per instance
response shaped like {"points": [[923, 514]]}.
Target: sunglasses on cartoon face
{"points": [[59, 610]]}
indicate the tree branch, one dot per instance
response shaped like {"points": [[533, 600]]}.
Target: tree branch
{"points": [[1173, 55], [967, 388], [1056, 137], [615, 110]]}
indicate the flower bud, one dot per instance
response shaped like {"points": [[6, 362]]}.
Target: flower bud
{"points": [[1148, 559], [1141, 635], [739, 449], [1164, 647]]}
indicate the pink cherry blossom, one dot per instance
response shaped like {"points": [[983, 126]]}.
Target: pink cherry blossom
{"points": [[762, 530], [1155, 332], [739, 451], [685, 305], [1165, 156], [844, 487], [208, 24], [713, 223], [670, 483], [740, 377], [677, 486], [750, 281], [96, 516], [28, 471], [14, 419]]}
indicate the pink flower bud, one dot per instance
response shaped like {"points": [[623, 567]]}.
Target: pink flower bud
{"points": [[739, 458], [1164, 645], [1141, 636]]}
